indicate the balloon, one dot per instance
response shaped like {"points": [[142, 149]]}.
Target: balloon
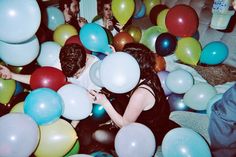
{"points": [[81, 155], [149, 37], [120, 39], [21, 20], [19, 135], [176, 102], [165, 44], [19, 54], [94, 73], [161, 18], [184, 142], [160, 63], [119, 72], [129, 141], [56, 139], [16, 99], [64, 32], [188, 50], [212, 101], [163, 76], [44, 105], [76, 39], [179, 81], [7, 89], [182, 20], [94, 38], [55, 18], [19, 88], [198, 96], [122, 10], [18, 108], [155, 12], [76, 101], [49, 54], [74, 149], [214, 53], [102, 154], [135, 32], [15, 69], [98, 112], [141, 12], [47, 77], [150, 4]]}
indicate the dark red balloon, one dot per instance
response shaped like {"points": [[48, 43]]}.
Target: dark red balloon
{"points": [[76, 40], [120, 39], [182, 21], [47, 77], [155, 12]]}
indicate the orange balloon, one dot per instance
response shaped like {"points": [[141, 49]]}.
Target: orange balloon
{"points": [[160, 63], [121, 39]]}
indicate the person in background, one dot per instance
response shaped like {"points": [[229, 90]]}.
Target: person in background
{"points": [[107, 20], [146, 103], [70, 9]]}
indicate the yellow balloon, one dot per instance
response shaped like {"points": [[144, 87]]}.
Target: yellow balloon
{"points": [[7, 89], [188, 50], [135, 32], [19, 107], [56, 139], [64, 32], [122, 10], [150, 4], [161, 20]]}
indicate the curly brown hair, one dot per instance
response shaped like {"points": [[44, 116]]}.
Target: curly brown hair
{"points": [[72, 58]]}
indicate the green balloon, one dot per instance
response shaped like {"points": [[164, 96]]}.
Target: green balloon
{"points": [[149, 37], [74, 150], [7, 89]]}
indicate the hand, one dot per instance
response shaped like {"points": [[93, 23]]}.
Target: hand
{"points": [[120, 27], [81, 21], [97, 97], [109, 24], [66, 13], [5, 73]]}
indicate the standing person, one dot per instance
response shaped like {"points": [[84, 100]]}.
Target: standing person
{"points": [[146, 103], [70, 9], [107, 20], [222, 125]]}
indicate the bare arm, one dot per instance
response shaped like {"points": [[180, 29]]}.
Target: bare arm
{"points": [[136, 105], [5, 73]]}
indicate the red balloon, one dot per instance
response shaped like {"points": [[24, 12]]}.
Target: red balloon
{"points": [[76, 40], [120, 39], [47, 77], [182, 21]]}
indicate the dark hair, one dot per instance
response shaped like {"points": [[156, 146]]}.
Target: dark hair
{"points": [[72, 58], [63, 2], [146, 60]]}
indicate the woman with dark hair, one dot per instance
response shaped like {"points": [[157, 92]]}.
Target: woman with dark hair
{"points": [[146, 103]]}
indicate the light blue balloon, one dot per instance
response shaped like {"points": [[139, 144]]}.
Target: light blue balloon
{"points": [[49, 54], [184, 142], [94, 38], [55, 18], [214, 53], [44, 105], [20, 19], [212, 101], [141, 12], [19, 54]]}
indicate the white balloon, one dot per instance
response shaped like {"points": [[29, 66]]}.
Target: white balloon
{"points": [[19, 54], [119, 72], [55, 17], [199, 95], [20, 19], [49, 53], [135, 139], [179, 81], [81, 155], [94, 73], [76, 101]]}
